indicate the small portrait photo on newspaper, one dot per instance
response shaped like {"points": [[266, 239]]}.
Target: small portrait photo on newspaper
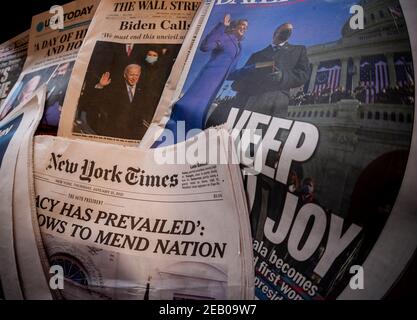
{"points": [[55, 95], [24, 89], [122, 88]]}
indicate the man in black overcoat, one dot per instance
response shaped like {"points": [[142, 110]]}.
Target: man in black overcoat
{"points": [[263, 84], [119, 106]]}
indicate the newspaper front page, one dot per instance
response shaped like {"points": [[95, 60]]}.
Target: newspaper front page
{"points": [[335, 110], [12, 57], [15, 132], [128, 228], [51, 55], [122, 69]]}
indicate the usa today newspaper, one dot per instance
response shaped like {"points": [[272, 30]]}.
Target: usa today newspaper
{"points": [[19, 254], [52, 50]]}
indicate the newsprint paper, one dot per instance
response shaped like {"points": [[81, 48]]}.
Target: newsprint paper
{"points": [[128, 228], [122, 69], [51, 55], [335, 110], [16, 133], [12, 57]]}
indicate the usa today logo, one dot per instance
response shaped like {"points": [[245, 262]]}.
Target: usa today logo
{"points": [[40, 27], [55, 22], [59, 17]]}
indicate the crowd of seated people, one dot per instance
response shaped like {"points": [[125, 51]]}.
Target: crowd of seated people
{"points": [[324, 96], [365, 92]]}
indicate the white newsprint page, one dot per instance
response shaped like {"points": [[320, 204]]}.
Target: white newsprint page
{"points": [[122, 68], [16, 133], [126, 227]]}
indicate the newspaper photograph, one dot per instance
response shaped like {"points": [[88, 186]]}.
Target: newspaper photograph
{"points": [[12, 57], [335, 110], [122, 69], [129, 228], [51, 54], [15, 130]]}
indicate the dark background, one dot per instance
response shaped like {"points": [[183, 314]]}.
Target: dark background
{"points": [[15, 17]]}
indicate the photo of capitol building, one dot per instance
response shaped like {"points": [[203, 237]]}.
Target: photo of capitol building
{"points": [[360, 96], [363, 105], [378, 56]]}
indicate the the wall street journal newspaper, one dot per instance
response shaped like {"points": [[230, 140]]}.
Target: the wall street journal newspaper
{"points": [[122, 69], [51, 55], [128, 228], [12, 57], [335, 107], [16, 133]]}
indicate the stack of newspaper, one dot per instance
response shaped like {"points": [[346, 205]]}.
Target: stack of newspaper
{"points": [[131, 227], [179, 99], [125, 226], [52, 50], [22, 273], [330, 214]]}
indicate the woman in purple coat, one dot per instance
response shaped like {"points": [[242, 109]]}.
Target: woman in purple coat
{"points": [[224, 44]]}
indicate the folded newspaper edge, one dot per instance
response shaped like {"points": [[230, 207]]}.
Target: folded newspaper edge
{"points": [[19, 127]]}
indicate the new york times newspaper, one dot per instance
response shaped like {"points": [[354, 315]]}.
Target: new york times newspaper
{"points": [[128, 228], [12, 57], [122, 69], [51, 55], [335, 106], [16, 133]]}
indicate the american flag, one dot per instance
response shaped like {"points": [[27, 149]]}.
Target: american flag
{"points": [[327, 78], [404, 70], [396, 11], [375, 72], [381, 76]]}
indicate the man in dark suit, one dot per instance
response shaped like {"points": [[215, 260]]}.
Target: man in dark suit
{"points": [[264, 82], [263, 86], [107, 57], [154, 76], [57, 87], [113, 58], [118, 106]]}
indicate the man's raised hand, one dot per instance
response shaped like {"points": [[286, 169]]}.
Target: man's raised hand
{"points": [[105, 79]]}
